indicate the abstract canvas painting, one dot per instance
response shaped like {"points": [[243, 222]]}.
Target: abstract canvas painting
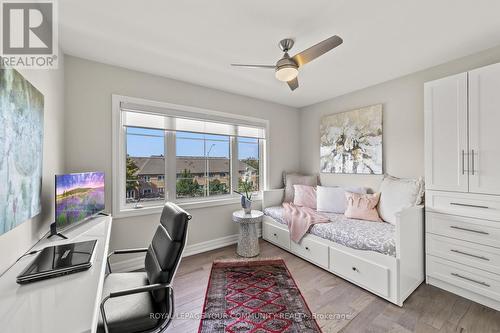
{"points": [[351, 142], [21, 141]]}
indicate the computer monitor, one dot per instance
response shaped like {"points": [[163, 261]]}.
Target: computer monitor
{"points": [[79, 196]]}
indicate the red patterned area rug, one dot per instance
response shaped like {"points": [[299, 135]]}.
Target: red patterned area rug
{"points": [[254, 296]]}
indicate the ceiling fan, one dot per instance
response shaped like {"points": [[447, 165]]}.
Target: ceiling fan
{"points": [[287, 68]]}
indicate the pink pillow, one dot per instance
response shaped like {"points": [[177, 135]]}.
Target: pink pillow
{"points": [[304, 196], [362, 206]]}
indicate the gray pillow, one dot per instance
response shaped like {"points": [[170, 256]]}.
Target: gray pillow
{"points": [[291, 179]]}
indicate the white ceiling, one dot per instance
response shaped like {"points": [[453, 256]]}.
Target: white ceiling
{"points": [[195, 41]]}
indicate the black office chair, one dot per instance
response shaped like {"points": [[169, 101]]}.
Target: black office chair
{"points": [[144, 301]]}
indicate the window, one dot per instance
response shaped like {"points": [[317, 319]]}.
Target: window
{"points": [[173, 153], [145, 155], [248, 163], [202, 165]]}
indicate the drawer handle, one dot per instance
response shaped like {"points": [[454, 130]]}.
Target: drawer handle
{"points": [[307, 248], [470, 255], [355, 269], [471, 280], [468, 205], [471, 230], [275, 235]]}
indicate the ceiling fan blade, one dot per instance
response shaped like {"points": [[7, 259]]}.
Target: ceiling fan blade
{"points": [[317, 50], [254, 66], [293, 84]]}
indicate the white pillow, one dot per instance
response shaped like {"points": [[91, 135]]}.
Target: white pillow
{"points": [[333, 199], [398, 194]]}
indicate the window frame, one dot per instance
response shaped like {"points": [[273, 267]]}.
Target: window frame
{"points": [[119, 206]]}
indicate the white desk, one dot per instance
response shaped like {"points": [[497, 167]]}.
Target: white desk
{"points": [[64, 304]]}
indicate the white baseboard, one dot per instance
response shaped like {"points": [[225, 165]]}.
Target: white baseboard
{"points": [[133, 264]]}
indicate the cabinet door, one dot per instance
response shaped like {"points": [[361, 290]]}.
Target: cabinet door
{"points": [[484, 130], [445, 111]]}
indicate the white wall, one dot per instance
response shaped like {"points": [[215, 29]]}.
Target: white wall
{"points": [[89, 86], [17, 241], [403, 121]]}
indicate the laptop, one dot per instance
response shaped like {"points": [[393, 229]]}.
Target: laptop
{"points": [[59, 260]]}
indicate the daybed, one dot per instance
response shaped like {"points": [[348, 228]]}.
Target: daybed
{"points": [[385, 259]]}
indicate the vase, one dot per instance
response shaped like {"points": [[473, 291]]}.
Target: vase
{"points": [[246, 204]]}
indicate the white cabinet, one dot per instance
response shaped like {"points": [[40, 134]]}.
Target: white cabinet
{"points": [[462, 136], [484, 130], [446, 134], [462, 171]]}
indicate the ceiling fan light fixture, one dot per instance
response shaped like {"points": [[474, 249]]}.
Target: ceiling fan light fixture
{"points": [[286, 73]]}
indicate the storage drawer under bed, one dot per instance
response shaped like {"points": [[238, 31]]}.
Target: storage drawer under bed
{"points": [[276, 234], [365, 273], [312, 250]]}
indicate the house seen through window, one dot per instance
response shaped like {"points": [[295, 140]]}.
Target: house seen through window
{"points": [[145, 165]]}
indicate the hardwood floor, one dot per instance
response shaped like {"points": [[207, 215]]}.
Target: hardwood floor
{"points": [[428, 309]]}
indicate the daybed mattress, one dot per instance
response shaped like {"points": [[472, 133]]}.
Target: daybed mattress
{"points": [[356, 234]]}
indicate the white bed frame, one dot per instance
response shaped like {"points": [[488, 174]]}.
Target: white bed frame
{"points": [[392, 278]]}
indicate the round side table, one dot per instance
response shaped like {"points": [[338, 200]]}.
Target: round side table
{"points": [[248, 240]]}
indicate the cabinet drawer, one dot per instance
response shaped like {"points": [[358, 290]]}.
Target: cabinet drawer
{"points": [[473, 230], [277, 235], [467, 253], [472, 279], [365, 273], [464, 204], [312, 250]]}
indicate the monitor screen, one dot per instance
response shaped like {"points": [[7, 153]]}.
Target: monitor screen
{"points": [[78, 197]]}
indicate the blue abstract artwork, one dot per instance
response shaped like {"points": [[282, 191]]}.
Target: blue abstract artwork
{"points": [[21, 149]]}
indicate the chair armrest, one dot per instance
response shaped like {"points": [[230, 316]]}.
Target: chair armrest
{"points": [[126, 292], [272, 197], [124, 251], [142, 289]]}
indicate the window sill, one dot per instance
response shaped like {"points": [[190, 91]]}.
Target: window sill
{"points": [[129, 212]]}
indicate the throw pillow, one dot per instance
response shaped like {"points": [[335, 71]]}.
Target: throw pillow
{"points": [[305, 196], [362, 206], [297, 179], [398, 194], [333, 199]]}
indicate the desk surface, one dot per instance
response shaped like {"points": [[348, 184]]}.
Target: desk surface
{"points": [[63, 304]]}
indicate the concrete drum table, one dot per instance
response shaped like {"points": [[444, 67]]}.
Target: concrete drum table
{"points": [[248, 240]]}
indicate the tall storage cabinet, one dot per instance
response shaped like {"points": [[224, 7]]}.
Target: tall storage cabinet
{"points": [[462, 171], [446, 134], [484, 130]]}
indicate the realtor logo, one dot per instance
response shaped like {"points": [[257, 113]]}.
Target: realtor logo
{"points": [[29, 34]]}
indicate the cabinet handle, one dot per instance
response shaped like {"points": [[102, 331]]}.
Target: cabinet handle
{"points": [[468, 205], [471, 230], [275, 235], [472, 166], [355, 269], [471, 280], [463, 162], [307, 248], [470, 255]]}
